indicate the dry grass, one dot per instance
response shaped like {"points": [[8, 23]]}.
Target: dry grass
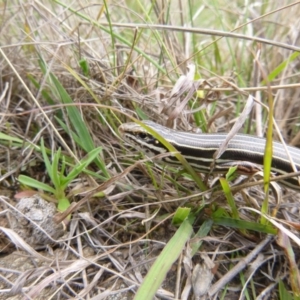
{"points": [[70, 74]]}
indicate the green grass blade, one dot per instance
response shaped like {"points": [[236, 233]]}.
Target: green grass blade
{"points": [[46, 159], [268, 154], [35, 184], [85, 68], [74, 115], [84, 163], [230, 198], [163, 263], [8, 138], [181, 214], [283, 292], [284, 242], [55, 172], [201, 233], [244, 225], [44, 92], [280, 68], [86, 141], [80, 142], [63, 204]]}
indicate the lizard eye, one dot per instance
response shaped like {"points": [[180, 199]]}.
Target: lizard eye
{"points": [[143, 135]]}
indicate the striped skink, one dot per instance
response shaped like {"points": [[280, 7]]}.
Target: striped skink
{"points": [[199, 149]]}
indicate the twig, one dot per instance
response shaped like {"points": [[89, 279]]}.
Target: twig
{"points": [[239, 267]]}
